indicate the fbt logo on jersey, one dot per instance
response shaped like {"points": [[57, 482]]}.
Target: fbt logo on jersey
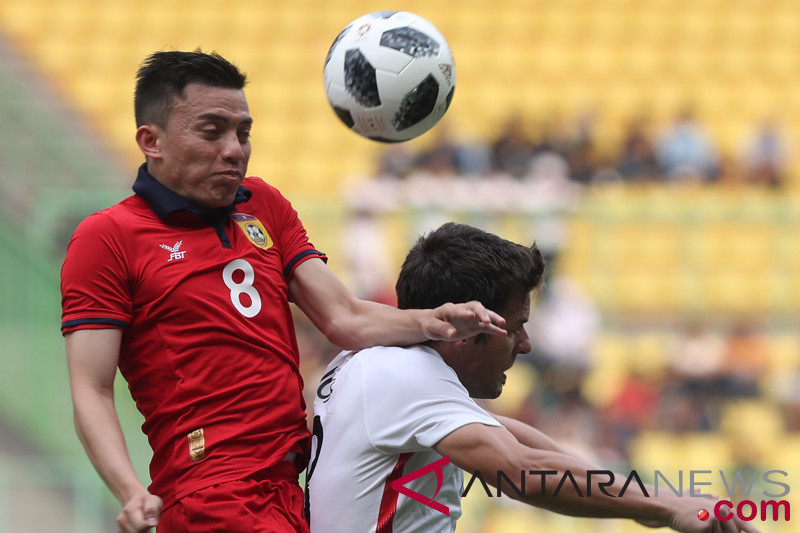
{"points": [[175, 251]]}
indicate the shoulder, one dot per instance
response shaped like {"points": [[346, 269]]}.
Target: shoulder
{"points": [[266, 200], [261, 188], [118, 217], [388, 372], [412, 368]]}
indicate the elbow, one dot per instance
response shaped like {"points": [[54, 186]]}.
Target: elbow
{"points": [[340, 334]]}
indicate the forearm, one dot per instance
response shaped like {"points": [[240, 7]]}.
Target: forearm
{"points": [[571, 486], [99, 430], [369, 324], [553, 480], [352, 323], [567, 484]]}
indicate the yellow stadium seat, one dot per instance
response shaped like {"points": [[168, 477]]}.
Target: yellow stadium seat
{"points": [[755, 428]]}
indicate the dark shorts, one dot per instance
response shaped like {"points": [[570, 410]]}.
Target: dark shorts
{"points": [[270, 501]]}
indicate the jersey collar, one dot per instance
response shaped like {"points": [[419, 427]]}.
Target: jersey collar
{"points": [[164, 202]]}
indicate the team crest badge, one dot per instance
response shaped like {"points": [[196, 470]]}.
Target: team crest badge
{"points": [[253, 229]]}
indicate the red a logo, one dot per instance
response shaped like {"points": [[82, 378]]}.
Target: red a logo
{"points": [[399, 485]]}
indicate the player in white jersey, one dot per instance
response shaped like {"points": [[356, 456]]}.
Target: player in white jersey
{"points": [[378, 413], [394, 427]]}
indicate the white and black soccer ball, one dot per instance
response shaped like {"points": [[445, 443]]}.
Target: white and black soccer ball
{"points": [[389, 76]]}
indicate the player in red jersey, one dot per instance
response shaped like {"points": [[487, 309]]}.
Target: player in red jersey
{"points": [[185, 286]]}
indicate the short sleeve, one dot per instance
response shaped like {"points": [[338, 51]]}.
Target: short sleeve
{"points": [[95, 292], [413, 400]]}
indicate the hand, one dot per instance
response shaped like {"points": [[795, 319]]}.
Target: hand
{"points": [[140, 513], [686, 519], [452, 322]]}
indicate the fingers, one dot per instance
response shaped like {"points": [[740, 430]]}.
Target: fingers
{"points": [[152, 510], [488, 321], [726, 523], [460, 321], [733, 525], [494, 323], [747, 527], [140, 514]]}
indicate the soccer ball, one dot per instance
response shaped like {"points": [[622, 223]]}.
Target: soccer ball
{"points": [[389, 76]]}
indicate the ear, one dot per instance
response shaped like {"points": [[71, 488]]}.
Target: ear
{"points": [[148, 137], [481, 339], [451, 351]]}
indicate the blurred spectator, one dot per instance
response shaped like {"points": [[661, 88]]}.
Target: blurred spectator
{"points": [[685, 151], [572, 422], [634, 408], [442, 157], [636, 160], [729, 171], [395, 161], [580, 149], [512, 151], [682, 150], [766, 155], [475, 157], [548, 166], [368, 258], [696, 361], [746, 361], [563, 327], [694, 386], [564, 324]]}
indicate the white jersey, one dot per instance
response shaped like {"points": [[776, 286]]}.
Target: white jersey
{"points": [[377, 414]]}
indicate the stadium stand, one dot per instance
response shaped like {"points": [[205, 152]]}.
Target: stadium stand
{"points": [[51, 176], [650, 256]]}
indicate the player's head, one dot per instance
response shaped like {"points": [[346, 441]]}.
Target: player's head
{"points": [[194, 125], [164, 75], [459, 263]]}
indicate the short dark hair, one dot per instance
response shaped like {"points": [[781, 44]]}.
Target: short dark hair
{"points": [[458, 263], [163, 76]]}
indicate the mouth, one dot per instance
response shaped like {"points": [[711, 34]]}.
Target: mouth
{"points": [[510, 364], [234, 175]]}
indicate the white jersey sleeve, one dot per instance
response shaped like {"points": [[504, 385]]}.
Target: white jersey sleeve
{"points": [[378, 413], [415, 402]]}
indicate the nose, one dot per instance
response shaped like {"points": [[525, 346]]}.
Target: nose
{"points": [[233, 150], [523, 343]]}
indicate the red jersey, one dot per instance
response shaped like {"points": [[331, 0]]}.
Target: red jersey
{"points": [[208, 348]]}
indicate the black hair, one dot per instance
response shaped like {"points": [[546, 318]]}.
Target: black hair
{"points": [[163, 76], [458, 263]]}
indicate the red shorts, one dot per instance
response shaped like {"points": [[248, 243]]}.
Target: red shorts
{"points": [[270, 501]]}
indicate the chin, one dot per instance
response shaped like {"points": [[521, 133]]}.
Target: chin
{"points": [[220, 201], [488, 395]]}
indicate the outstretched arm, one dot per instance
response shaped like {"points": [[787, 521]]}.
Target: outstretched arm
{"points": [[352, 324], [531, 437], [92, 356], [489, 450]]}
